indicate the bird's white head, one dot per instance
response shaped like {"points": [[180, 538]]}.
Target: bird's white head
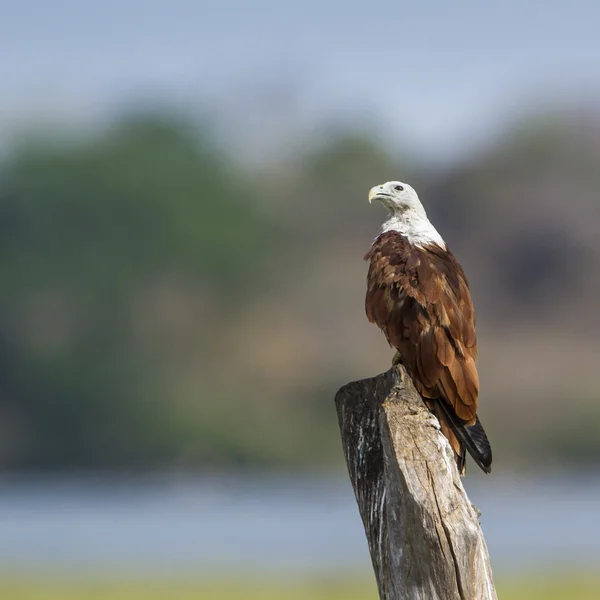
{"points": [[407, 214], [398, 198]]}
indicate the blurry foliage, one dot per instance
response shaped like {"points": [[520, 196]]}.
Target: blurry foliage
{"points": [[86, 228], [161, 306], [149, 193]]}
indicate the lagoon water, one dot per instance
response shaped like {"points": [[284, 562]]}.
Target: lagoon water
{"points": [[302, 524]]}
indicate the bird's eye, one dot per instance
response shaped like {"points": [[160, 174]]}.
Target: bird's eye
{"points": [[398, 188]]}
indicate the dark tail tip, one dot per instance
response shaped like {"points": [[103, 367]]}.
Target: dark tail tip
{"points": [[481, 444], [473, 437]]}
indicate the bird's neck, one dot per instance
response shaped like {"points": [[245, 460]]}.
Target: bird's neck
{"points": [[415, 227]]}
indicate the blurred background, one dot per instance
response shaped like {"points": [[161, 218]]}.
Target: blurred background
{"points": [[183, 215]]}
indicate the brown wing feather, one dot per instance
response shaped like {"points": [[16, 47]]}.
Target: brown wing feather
{"points": [[420, 298]]}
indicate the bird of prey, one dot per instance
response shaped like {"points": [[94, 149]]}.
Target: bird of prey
{"points": [[417, 293]]}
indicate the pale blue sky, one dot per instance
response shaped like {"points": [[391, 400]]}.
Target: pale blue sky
{"points": [[441, 75]]}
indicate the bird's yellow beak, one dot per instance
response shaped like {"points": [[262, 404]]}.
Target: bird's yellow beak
{"points": [[373, 192]]}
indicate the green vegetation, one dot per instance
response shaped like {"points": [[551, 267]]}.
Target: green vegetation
{"points": [[94, 232], [547, 587], [161, 306]]}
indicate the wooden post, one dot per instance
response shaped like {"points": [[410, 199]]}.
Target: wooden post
{"points": [[424, 535]]}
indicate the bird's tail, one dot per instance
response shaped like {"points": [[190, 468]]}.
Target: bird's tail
{"points": [[470, 437]]}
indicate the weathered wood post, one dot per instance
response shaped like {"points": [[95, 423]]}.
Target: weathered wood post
{"points": [[423, 533]]}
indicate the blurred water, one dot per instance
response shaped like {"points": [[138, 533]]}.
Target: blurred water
{"points": [[305, 524]]}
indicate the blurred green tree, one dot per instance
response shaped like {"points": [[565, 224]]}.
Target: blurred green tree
{"points": [[86, 228]]}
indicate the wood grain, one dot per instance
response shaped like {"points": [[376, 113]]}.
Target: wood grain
{"points": [[423, 533]]}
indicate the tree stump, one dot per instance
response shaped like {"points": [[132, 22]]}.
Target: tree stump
{"points": [[423, 533]]}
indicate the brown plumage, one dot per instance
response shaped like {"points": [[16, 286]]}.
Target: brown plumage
{"points": [[419, 297]]}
